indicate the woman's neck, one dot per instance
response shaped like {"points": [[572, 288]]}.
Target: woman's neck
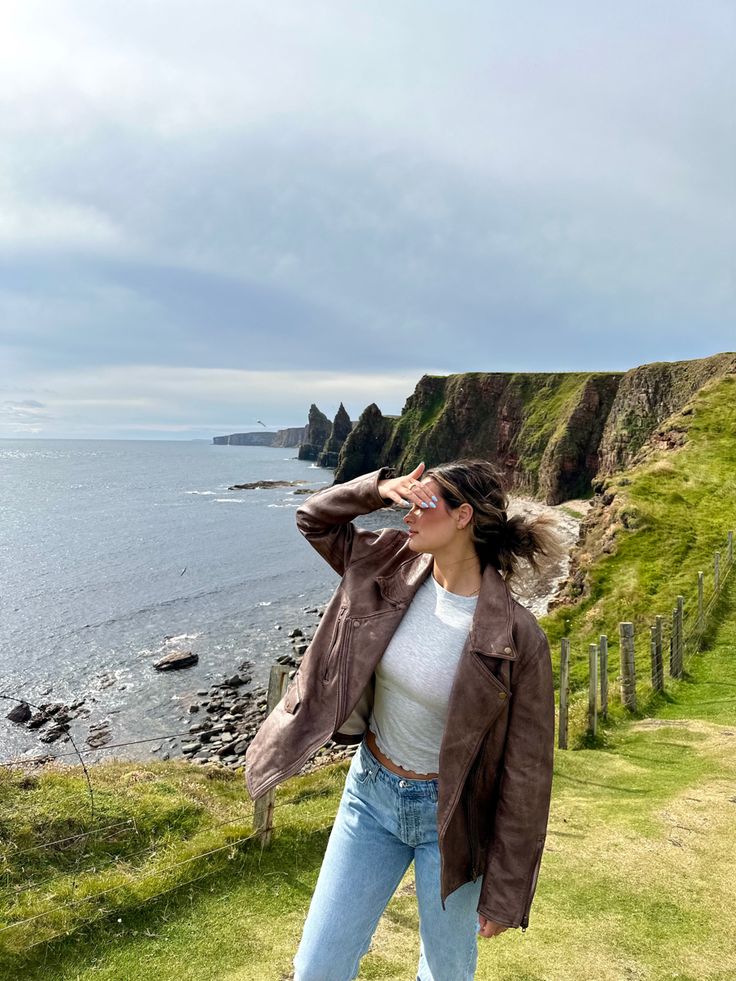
{"points": [[458, 574]]}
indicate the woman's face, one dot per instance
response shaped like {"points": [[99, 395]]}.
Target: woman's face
{"points": [[431, 529]]}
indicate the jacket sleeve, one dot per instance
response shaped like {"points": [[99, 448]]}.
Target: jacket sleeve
{"points": [[525, 789], [325, 518]]}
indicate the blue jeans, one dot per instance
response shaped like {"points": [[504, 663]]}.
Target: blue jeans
{"points": [[382, 823]]}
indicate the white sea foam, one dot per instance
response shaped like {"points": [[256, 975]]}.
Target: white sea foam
{"points": [[228, 500], [182, 637], [202, 493], [265, 603]]}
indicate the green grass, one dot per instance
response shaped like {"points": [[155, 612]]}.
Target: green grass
{"points": [[636, 880]]}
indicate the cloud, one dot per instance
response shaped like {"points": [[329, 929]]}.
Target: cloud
{"points": [[196, 402], [344, 189], [25, 418]]}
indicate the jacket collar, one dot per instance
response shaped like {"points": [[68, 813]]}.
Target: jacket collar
{"points": [[490, 632]]}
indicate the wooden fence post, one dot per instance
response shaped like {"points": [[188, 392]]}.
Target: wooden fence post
{"points": [[701, 589], [717, 571], [603, 648], [656, 652], [592, 688], [628, 670], [729, 548], [680, 634], [564, 691], [263, 805]]}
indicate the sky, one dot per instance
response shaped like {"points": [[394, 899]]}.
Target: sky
{"points": [[218, 213]]}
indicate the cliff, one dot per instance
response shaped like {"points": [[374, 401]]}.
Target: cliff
{"points": [[289, 437], [316, 435], [283, 437], [647, 396], [365, 448], [551, 433], [341, 428]]}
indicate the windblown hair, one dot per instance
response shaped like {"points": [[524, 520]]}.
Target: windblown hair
{"points": [[504, 542]]}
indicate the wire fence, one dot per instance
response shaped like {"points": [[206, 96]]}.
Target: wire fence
{"points": [[680, 635]]}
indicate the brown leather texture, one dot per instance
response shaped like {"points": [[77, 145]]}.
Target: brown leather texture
{"points": [[497, 749]]}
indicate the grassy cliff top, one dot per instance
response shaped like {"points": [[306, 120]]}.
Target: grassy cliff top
{"points": [[665, 518]]}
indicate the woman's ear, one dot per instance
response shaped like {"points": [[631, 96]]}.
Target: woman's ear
{"points": [[465, 514]]}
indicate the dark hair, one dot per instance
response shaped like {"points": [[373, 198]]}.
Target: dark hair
{"points": [[499, 540]]}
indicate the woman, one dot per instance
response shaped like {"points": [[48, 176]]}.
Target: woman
{"points": [[425, 658]]}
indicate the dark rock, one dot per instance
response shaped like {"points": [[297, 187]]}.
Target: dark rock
{"points": [[20, 714], [266, 484], [54, 733], [176, 660], [234, 681], [99, 738]]}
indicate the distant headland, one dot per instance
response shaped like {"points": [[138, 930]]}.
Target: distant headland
{"points": [[553, 434]]}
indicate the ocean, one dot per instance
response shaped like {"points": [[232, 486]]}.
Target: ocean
{"points": [[108, 547]]}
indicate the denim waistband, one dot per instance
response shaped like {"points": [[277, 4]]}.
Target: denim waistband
{"points": [[424, 788]]}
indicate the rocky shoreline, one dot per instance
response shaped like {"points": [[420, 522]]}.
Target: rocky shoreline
{"points": [[225, 716], [232, 713]]}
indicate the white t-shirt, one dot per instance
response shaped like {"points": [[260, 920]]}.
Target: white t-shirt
{"points": [[415, 675]]}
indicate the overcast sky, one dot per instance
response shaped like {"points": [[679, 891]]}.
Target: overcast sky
{"points": [[215, 213]]}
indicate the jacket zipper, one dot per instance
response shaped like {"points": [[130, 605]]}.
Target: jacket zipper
{"points": [[335, 635], [473, 824], [341, 670], [532, 884]]}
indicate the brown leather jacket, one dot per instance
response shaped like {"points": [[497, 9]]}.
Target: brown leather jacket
{"points": [[497, 750]]}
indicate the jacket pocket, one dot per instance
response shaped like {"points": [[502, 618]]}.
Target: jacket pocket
{"points": [[293, 696]]}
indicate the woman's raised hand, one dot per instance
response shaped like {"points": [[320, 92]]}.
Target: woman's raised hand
{"points": [[408, 488]]}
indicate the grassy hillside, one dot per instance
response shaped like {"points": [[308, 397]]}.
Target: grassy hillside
{"points": [[668, 514], [636, 881]]}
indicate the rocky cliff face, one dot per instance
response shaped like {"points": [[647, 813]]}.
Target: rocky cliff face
{"points": [[293, 436], [341, 428], [646, 397], [283, 437], [316, 435], [550, 433], [365, 449]]}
